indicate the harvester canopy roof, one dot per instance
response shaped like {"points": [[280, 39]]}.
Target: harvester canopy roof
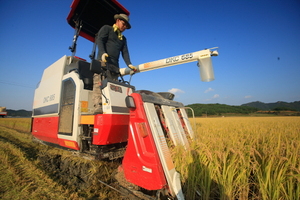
{"points": [[93, 14]]}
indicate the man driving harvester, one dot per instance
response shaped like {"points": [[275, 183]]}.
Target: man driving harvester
{"points": [[111, 42]]}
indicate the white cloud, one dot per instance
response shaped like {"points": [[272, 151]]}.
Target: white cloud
{"points": [[176, 91], [208, 90], [216, 96], [247, 97]]}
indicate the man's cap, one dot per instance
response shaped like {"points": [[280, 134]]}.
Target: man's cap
{"points": [[123, 17]]}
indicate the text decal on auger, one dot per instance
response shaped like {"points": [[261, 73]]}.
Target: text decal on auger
{"points": [[178, 58]]}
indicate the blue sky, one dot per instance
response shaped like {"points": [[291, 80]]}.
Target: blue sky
{"points": [[258, 44]]}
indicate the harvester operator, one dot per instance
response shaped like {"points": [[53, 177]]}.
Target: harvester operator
{"points": [[111, 42]]}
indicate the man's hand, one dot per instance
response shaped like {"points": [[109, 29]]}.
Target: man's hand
{"points": [[132, 67], [103, 57]]}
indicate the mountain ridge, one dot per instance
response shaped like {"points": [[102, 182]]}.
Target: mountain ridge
{"points": [[295, 106]]}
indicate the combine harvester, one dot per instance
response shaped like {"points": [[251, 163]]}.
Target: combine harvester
{"points": [[134, 126], [3, 112]]}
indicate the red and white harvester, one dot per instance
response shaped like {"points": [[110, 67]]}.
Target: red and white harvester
{"points": [[3, 112], [134, 125]]}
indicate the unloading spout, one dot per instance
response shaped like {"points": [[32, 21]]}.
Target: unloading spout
{"points": [[206, 69], [203, 57]]}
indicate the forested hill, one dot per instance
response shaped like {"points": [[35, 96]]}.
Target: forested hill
{"points": [[219, 109], [199, 109], [18, 113], [279, 105], [211, 109]]}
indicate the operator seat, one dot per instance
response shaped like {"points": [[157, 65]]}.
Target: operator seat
{"points": [[85, 74]]}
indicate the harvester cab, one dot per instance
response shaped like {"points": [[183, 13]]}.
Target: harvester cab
{"points": [[136, 126]]}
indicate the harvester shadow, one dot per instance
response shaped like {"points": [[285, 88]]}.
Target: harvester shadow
{"points": [[199, 184]]}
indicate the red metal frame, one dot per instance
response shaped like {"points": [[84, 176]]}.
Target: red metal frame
{"points": [[112, 129], [141, 163], [46, 129]]}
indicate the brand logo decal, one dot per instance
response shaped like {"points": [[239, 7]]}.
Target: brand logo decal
{"points": [[116, 88], [179, 58]]}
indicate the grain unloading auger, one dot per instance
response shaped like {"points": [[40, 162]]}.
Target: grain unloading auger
{"points": [[135, 125]]}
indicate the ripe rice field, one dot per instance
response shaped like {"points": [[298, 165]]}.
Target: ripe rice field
{"points": [[231, 158], [242, 158]]}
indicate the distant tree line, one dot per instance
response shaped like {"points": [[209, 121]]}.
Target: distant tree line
{"points": [[18, 113], [199, 110], [220, 109]]}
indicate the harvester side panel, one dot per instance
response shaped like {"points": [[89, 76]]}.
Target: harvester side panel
{"points": [[141, 162], [46, 102], [45, 128], [47, 94]]}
